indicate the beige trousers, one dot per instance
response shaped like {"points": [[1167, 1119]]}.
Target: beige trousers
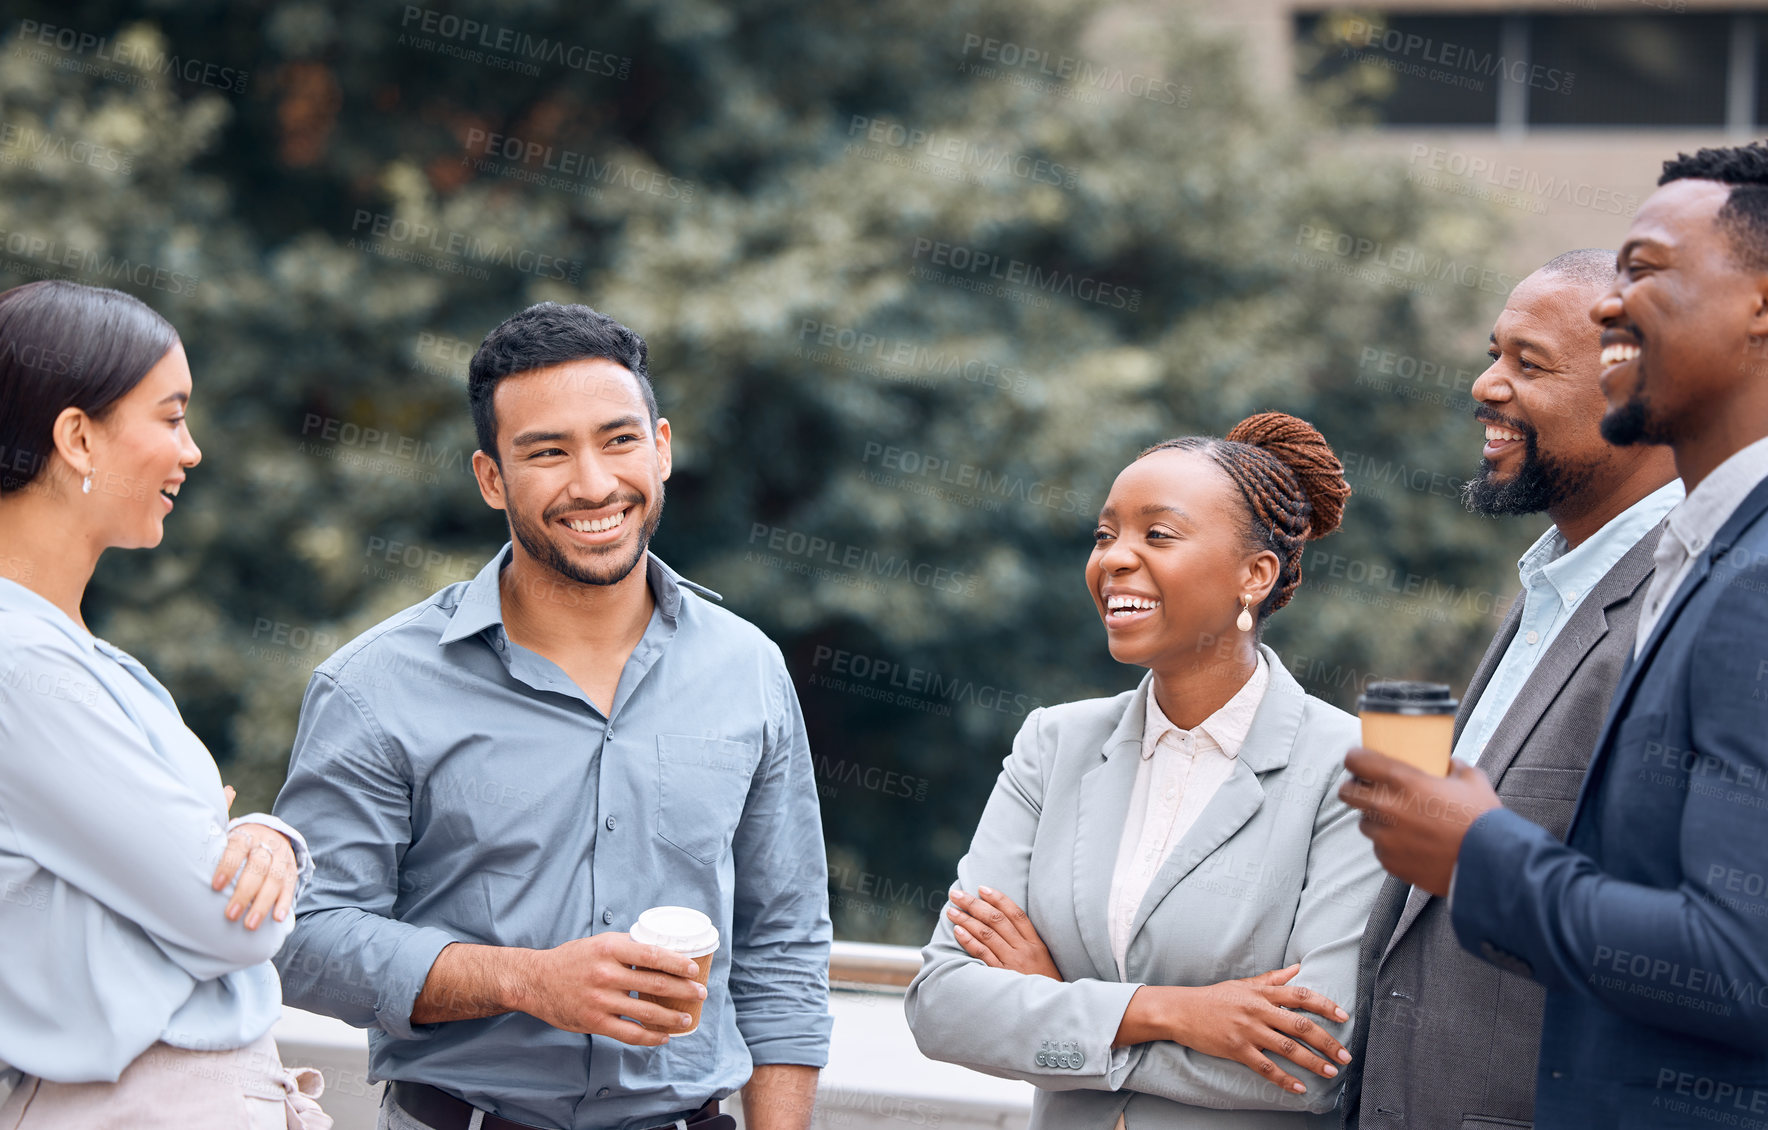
{"points": [[169, 1088]]}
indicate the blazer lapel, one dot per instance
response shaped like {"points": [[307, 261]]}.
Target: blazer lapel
{"points": [[1488, 663], [1267, 745], [1577, 637], [1750, 509], [1104, 799]]}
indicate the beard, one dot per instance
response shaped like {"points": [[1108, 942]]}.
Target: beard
{"points": [[1541, 483], [1633, 422], [548, 549]]}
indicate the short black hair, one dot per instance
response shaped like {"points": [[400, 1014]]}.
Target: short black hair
{"points": [[67, 345], [543, 335], [1744, 217], [1592, 265]]}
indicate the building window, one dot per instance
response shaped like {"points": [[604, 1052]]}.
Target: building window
{"points": [[1633, 70], [1515, 70]]}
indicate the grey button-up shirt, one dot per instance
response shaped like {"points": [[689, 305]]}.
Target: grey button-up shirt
{"points": [[455, 786]]}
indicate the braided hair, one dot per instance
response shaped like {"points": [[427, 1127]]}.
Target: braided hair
{"points": [[1293, 486]]}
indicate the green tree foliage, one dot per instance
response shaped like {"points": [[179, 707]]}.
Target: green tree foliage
{"points": [[914, 295]]}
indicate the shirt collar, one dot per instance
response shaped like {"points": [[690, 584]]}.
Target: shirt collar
{"points": [[481, 605], [1574, 572], [1227, 727], [1703, 512], [15, 597]]}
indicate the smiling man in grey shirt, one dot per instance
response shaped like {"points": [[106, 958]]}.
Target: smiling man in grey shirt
{"points": [[498, 780]]}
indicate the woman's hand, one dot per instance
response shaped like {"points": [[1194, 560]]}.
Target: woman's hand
{"points": [[1242, 1020], [268, 880], [994, 929]]}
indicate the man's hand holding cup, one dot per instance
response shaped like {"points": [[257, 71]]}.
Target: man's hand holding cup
{"points": [[587, 985]]}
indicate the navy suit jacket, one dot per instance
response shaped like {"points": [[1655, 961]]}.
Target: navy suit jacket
{"points": [[1649, 924]]}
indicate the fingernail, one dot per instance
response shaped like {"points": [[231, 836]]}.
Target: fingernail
{"points": [[1342, 1015], [952, 914], [252, 922], [1298, 1088], [1344, 1056], [232, 913], [960, 931], [686, 1020], [701, 991], [281, 914], [957, 893], [1331, 1071], [985, 890]]}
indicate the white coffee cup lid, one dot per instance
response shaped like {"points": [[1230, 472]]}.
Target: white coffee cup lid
{"points": [[679, 928]]}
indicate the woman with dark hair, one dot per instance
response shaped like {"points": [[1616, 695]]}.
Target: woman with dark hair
{"points": [[137, 920], [1175, 894]]}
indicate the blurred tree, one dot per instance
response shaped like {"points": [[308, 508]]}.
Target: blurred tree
{"points": [[918, 280]]}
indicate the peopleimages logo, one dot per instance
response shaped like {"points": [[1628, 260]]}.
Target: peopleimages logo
{"points": [[410, 241], [517, 46], [1364, 39], [141, 56], [972, 263], [1110, 80], [962, 152]]}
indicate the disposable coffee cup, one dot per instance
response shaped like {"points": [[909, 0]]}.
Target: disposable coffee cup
{"points": [[688, 932], [1410, 722]]}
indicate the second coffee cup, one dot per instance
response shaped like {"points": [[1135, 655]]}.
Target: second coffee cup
{"points": [[688, 932]]}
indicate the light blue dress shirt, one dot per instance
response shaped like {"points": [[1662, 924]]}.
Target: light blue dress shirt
{"points": [[112, 822], [1554, 581], [457, 786]]}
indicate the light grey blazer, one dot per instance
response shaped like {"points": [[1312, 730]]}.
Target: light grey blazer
{"points": [[1275, 871]]}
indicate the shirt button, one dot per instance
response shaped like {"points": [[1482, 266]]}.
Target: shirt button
{"points": [[1533, 637], [610, 823], [1571, 594], [607, 917], [604, 1092]]}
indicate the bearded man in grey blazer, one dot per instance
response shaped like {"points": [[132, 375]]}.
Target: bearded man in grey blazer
{"points": [[1443, 1039]]}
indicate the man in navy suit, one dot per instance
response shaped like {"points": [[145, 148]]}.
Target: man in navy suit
{"points": [[1648, 926]]}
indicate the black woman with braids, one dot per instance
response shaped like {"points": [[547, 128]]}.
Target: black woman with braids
{"points": [[1157, 921]]}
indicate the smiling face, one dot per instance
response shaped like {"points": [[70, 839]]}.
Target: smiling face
{"points": [[138, 455], [1540, 400], [1170, 561], [1677, 323], [582, 472]]}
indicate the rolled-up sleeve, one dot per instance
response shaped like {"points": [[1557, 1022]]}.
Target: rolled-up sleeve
{"points": [[298, 842], [779, 981], [351, 794], [1028, 1015]]}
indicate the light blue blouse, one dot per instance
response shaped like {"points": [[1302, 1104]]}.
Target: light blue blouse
{"points": [[112, 822]]}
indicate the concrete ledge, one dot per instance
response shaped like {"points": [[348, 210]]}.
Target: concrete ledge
{"points": [[876, 1079]]}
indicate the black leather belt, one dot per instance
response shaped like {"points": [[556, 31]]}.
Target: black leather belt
{"points": [[443, 1111]]}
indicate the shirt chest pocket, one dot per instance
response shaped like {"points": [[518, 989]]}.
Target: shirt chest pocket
{"points": [[702, 784]]}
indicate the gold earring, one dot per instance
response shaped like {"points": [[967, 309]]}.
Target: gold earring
{"points": [[1244, 621]]}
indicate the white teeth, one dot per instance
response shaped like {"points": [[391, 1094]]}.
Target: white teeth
{"points": [[597, 525], [172, 490], [1498, 434], [1617, 353], [1129, 603]]}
